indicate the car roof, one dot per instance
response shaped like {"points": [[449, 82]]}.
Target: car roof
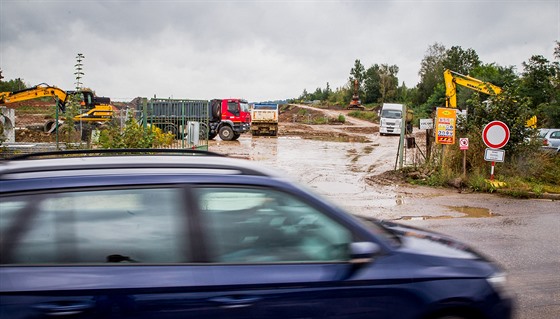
{"points": [[78, 162]]}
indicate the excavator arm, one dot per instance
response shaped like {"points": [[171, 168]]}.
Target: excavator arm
{"points": [[98, 108], [452, 79], [38, 91]]}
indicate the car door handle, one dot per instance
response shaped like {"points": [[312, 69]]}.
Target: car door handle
{"points": [[235, 301], [63, 308]]}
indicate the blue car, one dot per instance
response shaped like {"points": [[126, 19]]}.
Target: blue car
{"points": [[200, 235]]}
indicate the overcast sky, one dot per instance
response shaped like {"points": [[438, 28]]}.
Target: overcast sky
{"points": [[258, 50]]}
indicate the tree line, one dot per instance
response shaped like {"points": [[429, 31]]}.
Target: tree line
{"points": [[537, 84]]}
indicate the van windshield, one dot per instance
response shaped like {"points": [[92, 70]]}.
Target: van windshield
{"points": [[391, 114]]}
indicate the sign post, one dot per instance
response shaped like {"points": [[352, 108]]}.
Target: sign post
{"points": [[428, 125], [495, 135], [464, 146]]}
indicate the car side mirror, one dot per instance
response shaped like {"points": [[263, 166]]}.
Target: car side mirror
{"points": [[363, 252]]}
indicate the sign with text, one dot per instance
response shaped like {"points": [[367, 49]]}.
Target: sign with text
{"points": [[426, 124], [494, 155], [446, 120]]}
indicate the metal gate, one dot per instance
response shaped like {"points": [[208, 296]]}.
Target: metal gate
{"points": [[187, 120]]}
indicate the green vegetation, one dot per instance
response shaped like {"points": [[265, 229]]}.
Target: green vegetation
{"points": [[133, 135], [527, 171], [365, 115]]}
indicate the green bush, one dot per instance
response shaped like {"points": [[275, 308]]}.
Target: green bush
{"points": [[365, 115], [133, 135]]}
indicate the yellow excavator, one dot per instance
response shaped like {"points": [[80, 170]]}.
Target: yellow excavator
{"points": [[98, 109], [452, 79]]}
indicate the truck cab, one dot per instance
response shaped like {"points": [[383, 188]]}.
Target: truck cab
{"points": [[390, 119], [230, 118]]}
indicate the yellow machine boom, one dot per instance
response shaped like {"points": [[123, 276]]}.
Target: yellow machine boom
{"points": [[453, 78], [98, 109]]}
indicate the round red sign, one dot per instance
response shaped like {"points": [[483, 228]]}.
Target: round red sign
{"points": [[495, 134]]}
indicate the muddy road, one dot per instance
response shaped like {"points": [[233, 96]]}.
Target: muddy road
{"points": [[345, 164]]}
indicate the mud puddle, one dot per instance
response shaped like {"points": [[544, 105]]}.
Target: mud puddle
{"points": [[466, 212], [334, 170]]}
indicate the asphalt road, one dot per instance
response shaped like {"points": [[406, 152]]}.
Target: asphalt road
{"points": [[521, 235]]}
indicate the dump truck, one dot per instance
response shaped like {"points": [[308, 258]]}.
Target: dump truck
{"points": [[264, 119], [228, 118]]}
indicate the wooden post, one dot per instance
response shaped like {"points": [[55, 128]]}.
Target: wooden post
{"points": [[464, 163]]}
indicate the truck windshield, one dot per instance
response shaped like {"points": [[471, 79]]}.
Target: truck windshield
{"points": [[244, 107], [391, 114]]}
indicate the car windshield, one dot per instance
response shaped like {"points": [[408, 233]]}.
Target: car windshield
{"points": [[376, 226]]}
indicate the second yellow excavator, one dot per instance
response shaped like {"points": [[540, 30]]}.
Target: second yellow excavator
{"points": [[452, 78]]}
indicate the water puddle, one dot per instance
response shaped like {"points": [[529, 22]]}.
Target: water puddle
{"points": [[466, 211], [473, 212]]}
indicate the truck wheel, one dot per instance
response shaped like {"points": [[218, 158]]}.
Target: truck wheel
{"points": [[226, 133], [235, 136], [211, 136], [202, 131], [170, 128]]}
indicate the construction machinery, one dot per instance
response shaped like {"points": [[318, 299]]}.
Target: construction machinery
{"points": [[228, 118], [452, 78], [97, 109], [264, 119], [355, 103]]}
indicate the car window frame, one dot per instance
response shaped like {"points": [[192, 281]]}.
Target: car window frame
{"points": [[356, 233], [18, 225]]}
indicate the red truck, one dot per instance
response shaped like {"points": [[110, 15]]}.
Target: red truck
{"points": [[228, 118]]}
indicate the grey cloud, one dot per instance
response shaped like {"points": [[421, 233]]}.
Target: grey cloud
{"points": [[262, 49]]}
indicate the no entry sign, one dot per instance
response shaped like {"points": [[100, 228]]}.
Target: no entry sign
{"points": [[495, 134]]}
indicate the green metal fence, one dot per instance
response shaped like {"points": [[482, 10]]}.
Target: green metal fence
{"points": [[186, 120]]}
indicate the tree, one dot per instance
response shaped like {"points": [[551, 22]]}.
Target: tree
{"points": [[461, 61], [13, 85], [79, 71], [372, 85], [540, 83], [388, 82], [357, 73], [537, 80], [498, 75], [431, 72]]}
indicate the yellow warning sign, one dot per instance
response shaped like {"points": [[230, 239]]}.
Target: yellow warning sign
{"points": [[446, 120]]}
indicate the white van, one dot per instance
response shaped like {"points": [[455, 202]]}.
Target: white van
{"points": [[390, 118]]}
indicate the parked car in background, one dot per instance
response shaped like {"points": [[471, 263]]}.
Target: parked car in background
{"points": [[204, 236], [551, 139]]}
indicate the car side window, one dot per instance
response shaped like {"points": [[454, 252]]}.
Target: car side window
{"points": [[555, 134], [252, 225], [97, 226]]}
